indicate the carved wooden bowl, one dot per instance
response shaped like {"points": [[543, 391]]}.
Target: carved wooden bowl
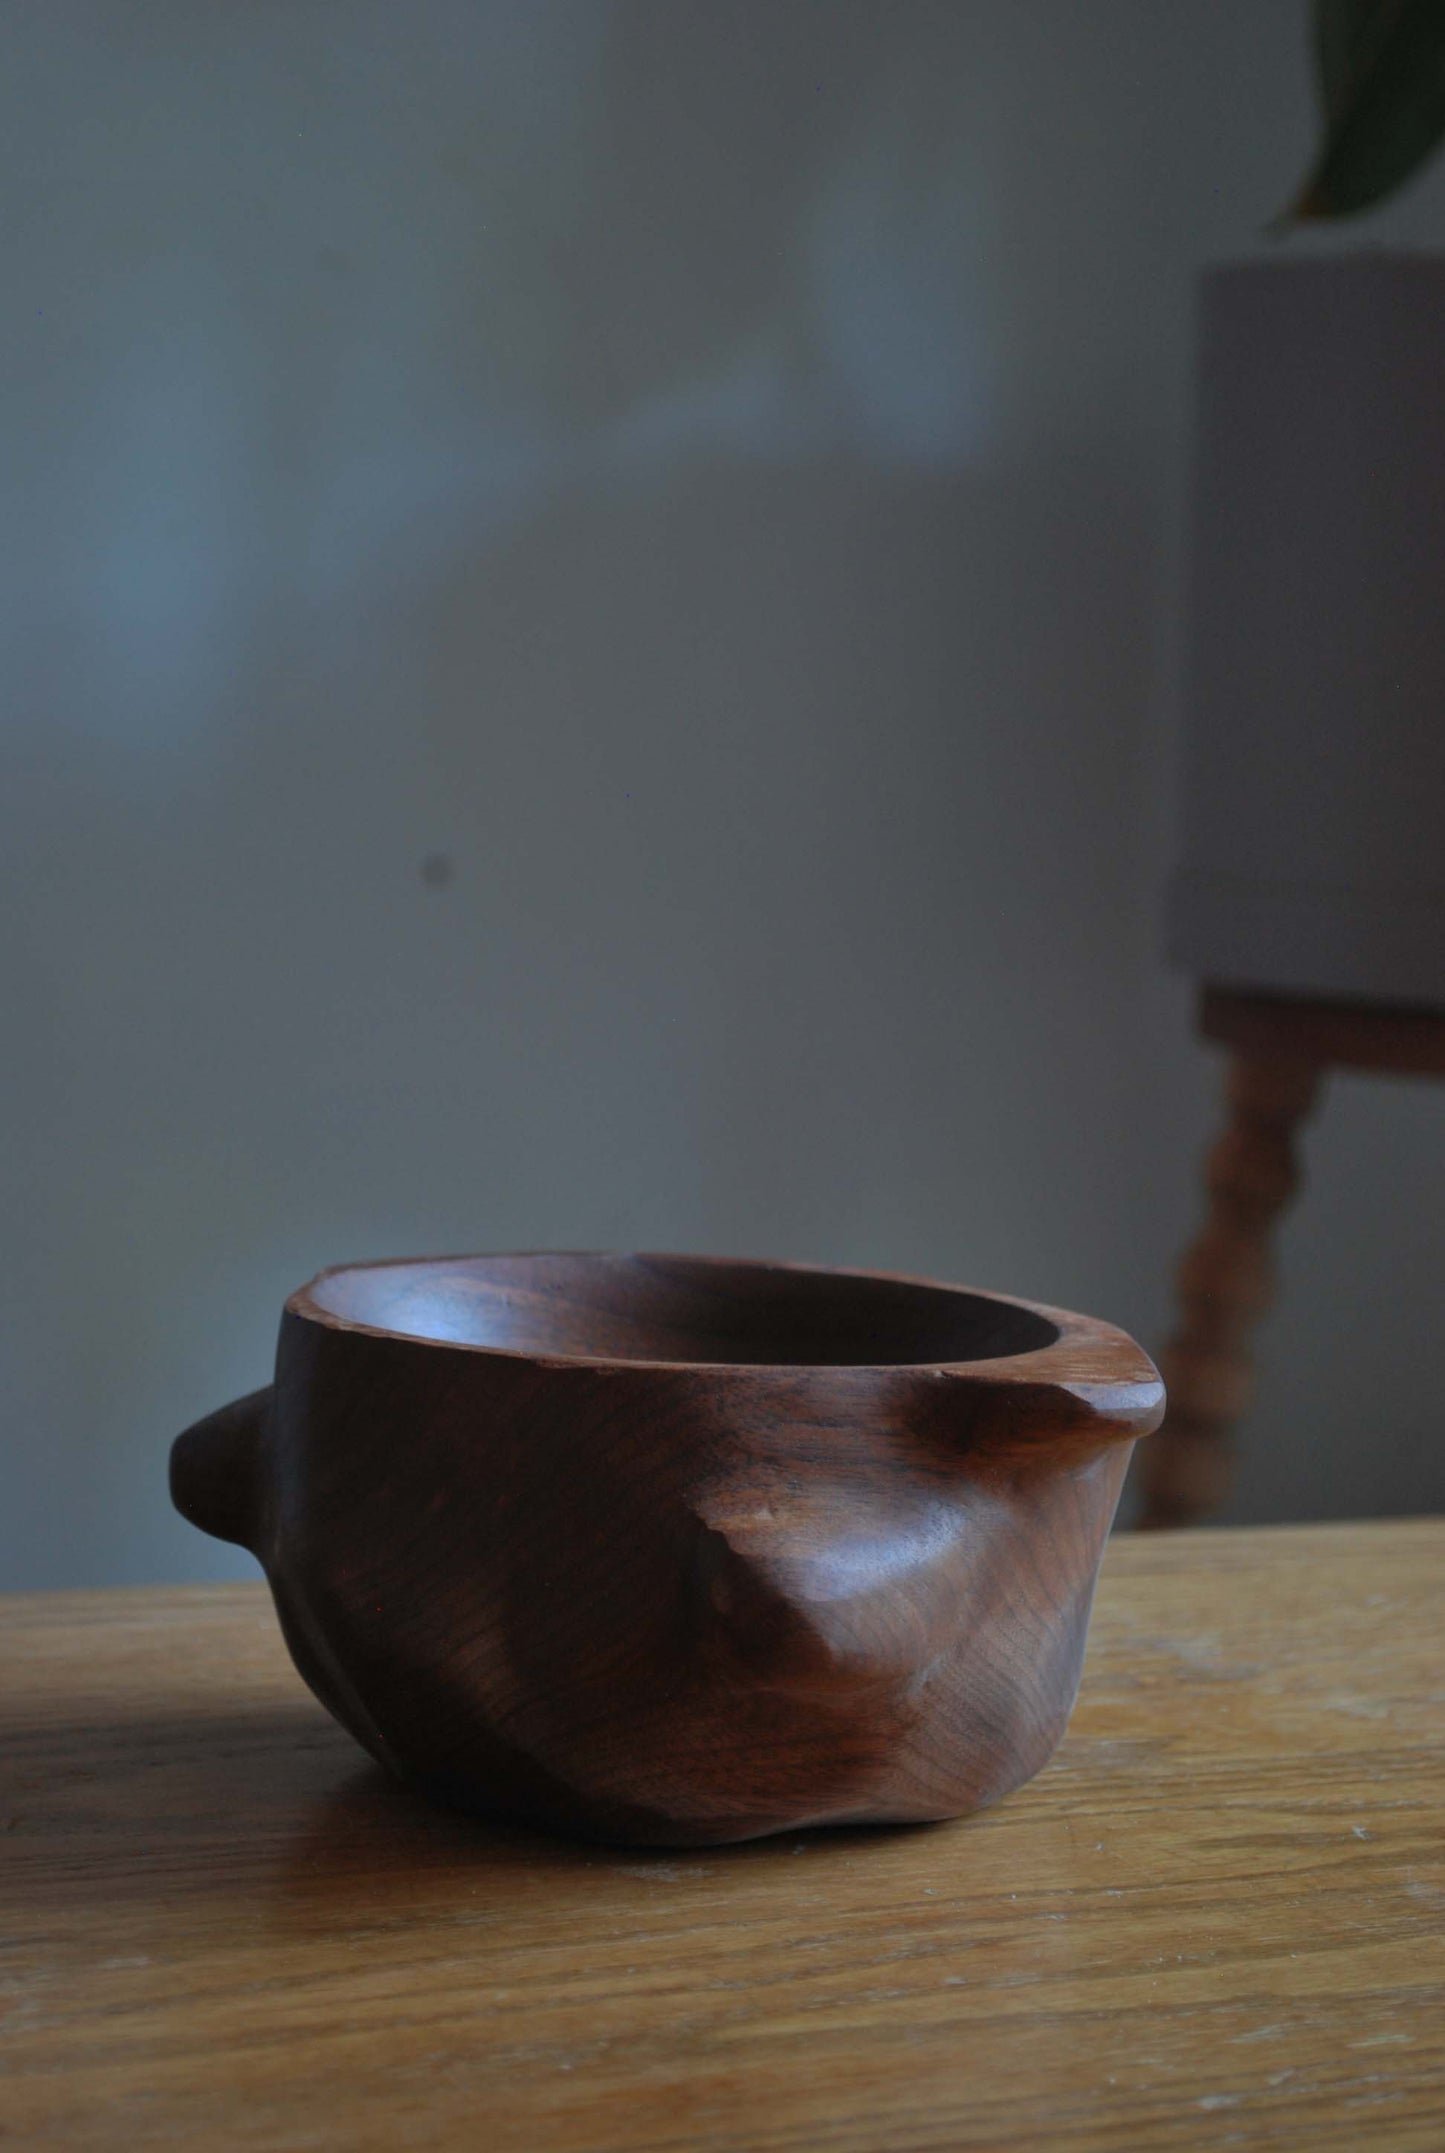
{"points": [[672, 1550]]}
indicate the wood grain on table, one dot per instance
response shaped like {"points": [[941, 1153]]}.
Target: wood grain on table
{"points": [[1217, 1919]]}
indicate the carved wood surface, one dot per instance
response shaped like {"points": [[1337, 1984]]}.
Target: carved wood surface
{"points": [[1224, 1285], [1282, 1048], [674, 1550], [1212, 1925]]}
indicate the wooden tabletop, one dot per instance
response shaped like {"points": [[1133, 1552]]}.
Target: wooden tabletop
{"points": [[1218, 1919]]}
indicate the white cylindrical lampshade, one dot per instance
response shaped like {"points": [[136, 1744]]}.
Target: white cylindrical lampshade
{"points": [[1313, 859]]}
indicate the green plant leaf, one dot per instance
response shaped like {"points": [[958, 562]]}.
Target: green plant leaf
{"points": [[1381, 68]]}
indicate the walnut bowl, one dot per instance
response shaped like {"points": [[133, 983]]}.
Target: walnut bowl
{"points": [[674, 1550]]}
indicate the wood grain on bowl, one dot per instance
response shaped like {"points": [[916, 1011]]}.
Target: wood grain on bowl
{"points": [[675, 1550]]}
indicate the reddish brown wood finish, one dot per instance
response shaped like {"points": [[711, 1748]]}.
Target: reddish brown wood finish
{"points": [[1224, 1286], [1378, 1036], [674, 1550], [1282, 1048]]}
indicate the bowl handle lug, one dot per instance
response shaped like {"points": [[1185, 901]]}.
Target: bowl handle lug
{"points": [[216, 1469]]}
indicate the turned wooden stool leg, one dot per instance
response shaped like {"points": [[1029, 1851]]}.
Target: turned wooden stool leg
{"points": [[1224, 1284]]}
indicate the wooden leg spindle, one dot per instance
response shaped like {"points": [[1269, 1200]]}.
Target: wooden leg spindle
{"points": [[1224, 1284]]}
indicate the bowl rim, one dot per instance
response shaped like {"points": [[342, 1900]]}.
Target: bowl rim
{"points": [[1095, 1361]]}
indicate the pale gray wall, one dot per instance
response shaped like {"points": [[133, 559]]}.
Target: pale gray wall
{"points": [[713, 473]]}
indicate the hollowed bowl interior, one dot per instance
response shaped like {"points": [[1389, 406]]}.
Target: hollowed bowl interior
{"points": [[676, 1309]]}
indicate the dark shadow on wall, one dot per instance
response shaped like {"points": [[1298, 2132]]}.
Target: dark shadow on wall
{"points": [[780, 757], [773, 778], [703, 131], [664, 222]]}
